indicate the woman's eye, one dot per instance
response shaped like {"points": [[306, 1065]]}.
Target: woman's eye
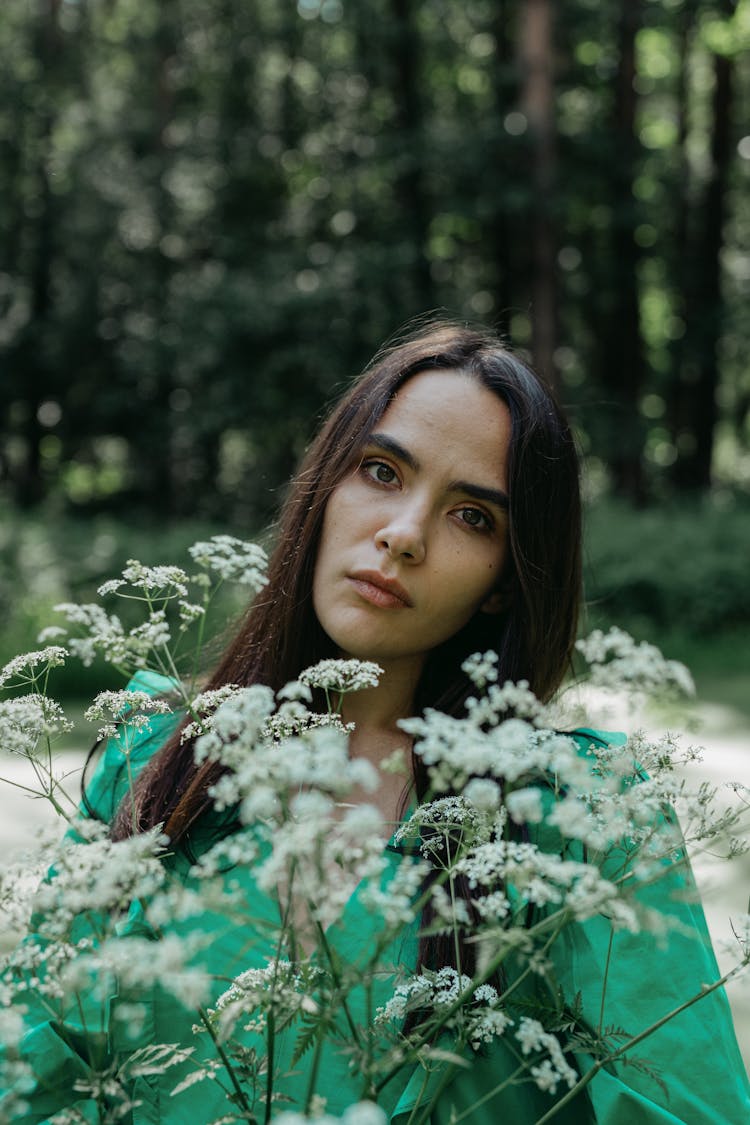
{"points": [[475, 518], [380, 471]]}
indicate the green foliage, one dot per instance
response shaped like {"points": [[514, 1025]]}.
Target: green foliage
{"points": [[46, 559], [681, 568], [212, 215]]}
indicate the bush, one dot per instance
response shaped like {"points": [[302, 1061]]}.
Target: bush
{"points": [[46, 559], [679, 568]]}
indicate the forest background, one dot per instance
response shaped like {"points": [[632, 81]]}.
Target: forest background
{"points": [[213, 211]]}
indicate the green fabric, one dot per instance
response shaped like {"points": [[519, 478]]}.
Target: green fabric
{"points": [[696, 1053]]}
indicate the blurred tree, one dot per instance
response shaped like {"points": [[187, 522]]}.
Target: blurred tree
{"points": [[697, 377], [537, 56], [212, 212]]}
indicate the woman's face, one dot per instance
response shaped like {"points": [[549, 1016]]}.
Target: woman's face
{"points": [[414, 539]]}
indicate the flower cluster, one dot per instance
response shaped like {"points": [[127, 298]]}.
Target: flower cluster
{"points": [[342, 675], [30, 667], [522, 839], [617, 661], [131, 707], [476, 1009], [281, 988], [27, 719], [233, 560]]}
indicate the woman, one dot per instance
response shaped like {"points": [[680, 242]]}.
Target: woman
{"points": [[436, 515]]}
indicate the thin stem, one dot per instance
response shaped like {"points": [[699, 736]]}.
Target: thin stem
{"points": [[242, 1099], [606, 975], [319, 1041], [423, 1087], [490, 1094], [271, 1044]]}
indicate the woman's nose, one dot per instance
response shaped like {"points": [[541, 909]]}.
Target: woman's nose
{"points": [[403, 538]]}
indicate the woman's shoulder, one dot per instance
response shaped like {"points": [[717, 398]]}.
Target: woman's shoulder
{"points": [[127, 752]]}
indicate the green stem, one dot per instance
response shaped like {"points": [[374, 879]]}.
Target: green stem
{"points": [[241, 1098], [606, 975], [423, 1087], [490, 1094], [269, 1071], [320, 1039], [337, 983]]}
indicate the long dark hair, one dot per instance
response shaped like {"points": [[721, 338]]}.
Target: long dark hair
{"points": [[280, 634]]}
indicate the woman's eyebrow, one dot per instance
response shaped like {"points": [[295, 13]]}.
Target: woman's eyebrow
{"points": [[479, 492], [476, 491], [390, 445]]}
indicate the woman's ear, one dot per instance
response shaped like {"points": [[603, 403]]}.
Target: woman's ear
{"points": [[495, 603]]}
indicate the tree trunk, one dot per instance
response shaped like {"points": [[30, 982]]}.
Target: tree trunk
{"points": [[538, 105], [699, 375], [501, 226], [625, 368], [31, 356], [410, 187]]}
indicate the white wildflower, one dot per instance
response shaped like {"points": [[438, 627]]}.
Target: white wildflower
{"points": [[29, 667], [514, 698], [480, 1018], [616, 661], [280, 989], [234, 560], [104, 636], [483, 793], [394, 900], [525, 805], [102, 875], [26, 719], [294, 719], [157, 582], [139, 963], [446, 826], [321, 859], [153, 633], [237, 726], [132, 707], [481, 668], [363, 1113], [202, 707], [552, 1070], [189, 612], [342, 675], [52, 633], [296, 691]]}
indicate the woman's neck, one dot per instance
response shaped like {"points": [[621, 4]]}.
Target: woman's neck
{"points": [[376, 736]]}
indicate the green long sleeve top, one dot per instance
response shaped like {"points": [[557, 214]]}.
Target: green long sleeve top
{"points": [[696, 1052]]}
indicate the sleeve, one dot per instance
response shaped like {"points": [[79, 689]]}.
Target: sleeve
{"points": [[631, 981], [109, 782], [50, 1067], [628, 981]]}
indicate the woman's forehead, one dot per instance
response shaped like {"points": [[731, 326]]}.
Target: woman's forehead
{"points": [[452, 414]]}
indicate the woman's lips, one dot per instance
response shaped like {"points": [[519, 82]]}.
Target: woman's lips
{"points": [[379, 590]]}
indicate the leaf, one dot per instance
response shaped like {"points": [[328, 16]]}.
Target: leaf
{"points": [[305, 1039]]}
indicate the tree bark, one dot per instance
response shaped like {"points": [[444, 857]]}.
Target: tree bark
{"points": [[31, 358], [625, 368], [699, 374], [538, 105], [410, 186], [501, 227]]}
